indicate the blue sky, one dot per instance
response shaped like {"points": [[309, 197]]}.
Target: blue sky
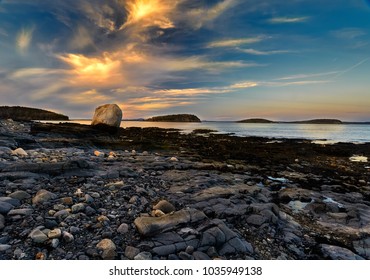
{"points": [[218, 59]]}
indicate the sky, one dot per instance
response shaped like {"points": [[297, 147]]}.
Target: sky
{"points": [[217, 59]]}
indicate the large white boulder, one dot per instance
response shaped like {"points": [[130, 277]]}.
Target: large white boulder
{"points": [[108, 114]]}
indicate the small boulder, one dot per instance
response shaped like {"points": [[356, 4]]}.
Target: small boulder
{"points": [[108, 115]]}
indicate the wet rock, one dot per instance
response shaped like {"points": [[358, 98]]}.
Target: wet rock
{"points": [[362, 247], [12, 201], [79, 207], [22, 212], [4, 247], [2, 221], [164, 206], [20, 195], [338, 253], [200, 256], [256, 220], [68, 237], [148, 226], [43, 196], [5, 207]]}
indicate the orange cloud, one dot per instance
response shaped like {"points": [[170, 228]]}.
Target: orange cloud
{"points": [[150, 13], [90, 71]]}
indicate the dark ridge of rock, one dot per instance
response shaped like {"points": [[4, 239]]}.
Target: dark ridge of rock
{"points": [[319, 121], [27, 114], [257, 120], [175, 118]]}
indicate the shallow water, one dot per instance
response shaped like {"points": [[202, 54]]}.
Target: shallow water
{"points": [[322, 133]]}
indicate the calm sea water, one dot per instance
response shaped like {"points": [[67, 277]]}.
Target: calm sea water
{"points": [[330, 133]]}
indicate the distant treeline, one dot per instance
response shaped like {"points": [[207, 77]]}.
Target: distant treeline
{"points": [[25, 113]]}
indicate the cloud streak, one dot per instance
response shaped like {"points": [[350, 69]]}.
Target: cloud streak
{"points": [[284, 20]]}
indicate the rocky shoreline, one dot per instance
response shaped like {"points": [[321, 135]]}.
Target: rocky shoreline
{"points": [[75, 192]]}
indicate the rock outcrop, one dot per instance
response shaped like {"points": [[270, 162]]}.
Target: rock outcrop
{"points": [[28, 114], [175, 118], [107, 115]]}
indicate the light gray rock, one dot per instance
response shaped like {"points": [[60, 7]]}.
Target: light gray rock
{"points": [[20, 195], [19, 152], [123, 228], [38, 236], [362, 247], [338, 253], [143, 256], [79, 207], [148, 226], [4, 247], [43, 196], [108, 114], [22, 212]]}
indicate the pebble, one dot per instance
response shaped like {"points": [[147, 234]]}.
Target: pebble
{"points": [[38, 236], [164, 206], [143, 256], [20, 195], [108, 249], [55, 233], [123, 228], [2, 221], [19, 152], [131, 252], [68, 237], [5, 207], [43, 196]]}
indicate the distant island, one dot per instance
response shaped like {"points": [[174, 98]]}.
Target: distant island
{"points": [[255, 121], [314, 121], [28, 114], [175, 118]]}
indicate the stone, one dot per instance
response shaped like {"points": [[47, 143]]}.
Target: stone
{"points": [[2, 222], [108, 249], [66, 200], [148, 226], [68, 237], [43, 196], [362, 247], [131, 252], [185, 256], [338, 253], [108, 114], [20, 195], [55, 233], [79, 207], [38, 236], [4, 247], [200, 256], [143, 256], [5, 207], [22, 212], [123, 228], [19, 152], [256, 220], [12, 201], [164, 206]]}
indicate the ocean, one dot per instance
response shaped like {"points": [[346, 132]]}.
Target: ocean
{"points": [[320, 133]]}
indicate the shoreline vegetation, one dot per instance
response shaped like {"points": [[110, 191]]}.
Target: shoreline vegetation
{"points": [[72, 191]]}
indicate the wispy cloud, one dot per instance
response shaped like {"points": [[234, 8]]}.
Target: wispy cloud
{"points": [[349, 69], [282, 20], [199, 17], [310, 75], [23, 39], [258, 52], [233, 42]]}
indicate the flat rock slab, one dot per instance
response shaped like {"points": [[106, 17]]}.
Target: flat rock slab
{"points": [[148, 226]]}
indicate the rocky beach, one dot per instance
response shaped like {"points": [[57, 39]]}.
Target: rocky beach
{"points": [[76, 192]]}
